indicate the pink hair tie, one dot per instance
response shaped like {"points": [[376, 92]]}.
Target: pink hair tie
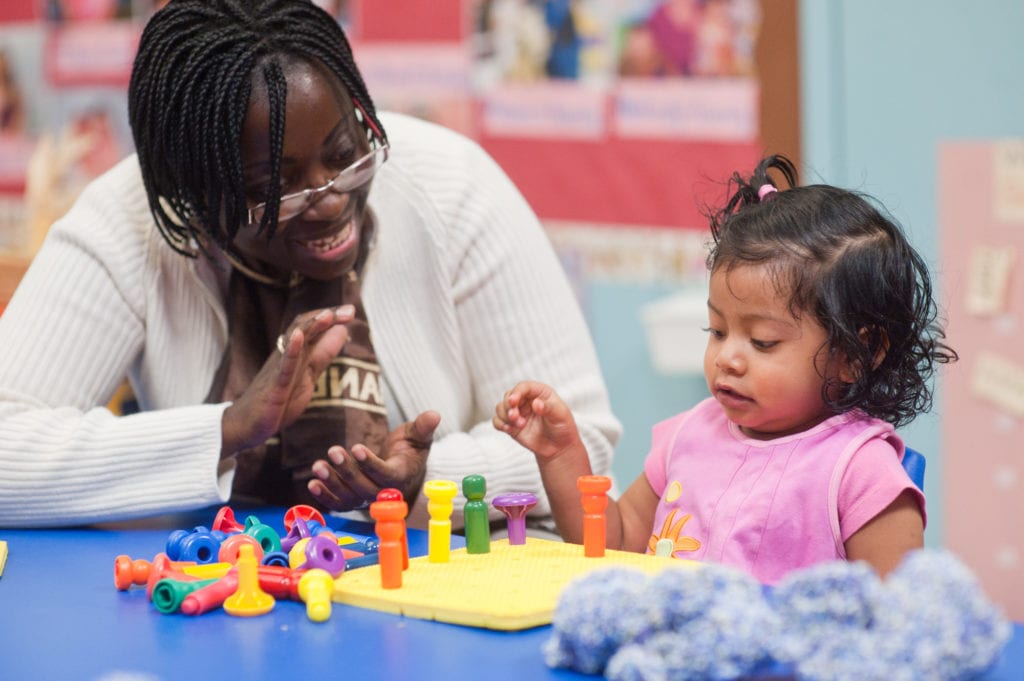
{"points": [[765, 190]]}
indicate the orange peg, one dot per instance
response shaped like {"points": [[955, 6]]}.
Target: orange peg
{"points": [[129, 572], [594, 490], [390, 517], [392, 494], [316, 586], [249, 599]]}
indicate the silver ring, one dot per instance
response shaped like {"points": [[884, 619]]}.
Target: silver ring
{"points": [[281, 344]]}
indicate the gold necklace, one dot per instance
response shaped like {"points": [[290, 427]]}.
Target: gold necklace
{"points": [[293, 280]]}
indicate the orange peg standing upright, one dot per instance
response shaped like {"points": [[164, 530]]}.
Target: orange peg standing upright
{"points": [[390, 517], [392, 494], [594, 490]]}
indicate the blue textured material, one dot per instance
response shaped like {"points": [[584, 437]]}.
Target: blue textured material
{"points": [[837, 621]]}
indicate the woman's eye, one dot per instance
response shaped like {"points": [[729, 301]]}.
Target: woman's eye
{"points": [[715, 333], [341, 158], [763, 345]]}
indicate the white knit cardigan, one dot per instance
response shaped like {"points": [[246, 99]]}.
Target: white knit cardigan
{"points": [[462, 289]]}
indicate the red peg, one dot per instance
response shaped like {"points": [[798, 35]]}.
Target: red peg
{"points": [[225, 521], [211, 596], [307, 513]]}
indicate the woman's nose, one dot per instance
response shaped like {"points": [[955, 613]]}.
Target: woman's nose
{"points": [[325, 203]]}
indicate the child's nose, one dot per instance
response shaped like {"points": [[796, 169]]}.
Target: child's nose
{"points": [[730, 358]]}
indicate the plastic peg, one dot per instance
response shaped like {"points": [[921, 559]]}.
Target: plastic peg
{"points": [[225, 521], [298, 530], [316, 587], [199, 546], [211, 596], [249, 600], [390, 517], [478, 525], [168, 594], [594, 491], [266, 535], [305, 512], [440, 504], [276, 559], [515, 506], [322, 552], [392, 494], [231, 548]]}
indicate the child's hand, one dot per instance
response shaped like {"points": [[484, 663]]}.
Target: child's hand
{"points": [[537, 418]]}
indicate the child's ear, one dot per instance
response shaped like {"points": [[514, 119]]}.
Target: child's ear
{"points": [[849, 371]]}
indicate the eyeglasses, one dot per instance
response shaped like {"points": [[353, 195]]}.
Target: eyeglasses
{"points": [[349, 179]]}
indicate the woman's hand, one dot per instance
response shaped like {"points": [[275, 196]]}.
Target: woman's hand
{"points": [[351, 479], [284, 386]]}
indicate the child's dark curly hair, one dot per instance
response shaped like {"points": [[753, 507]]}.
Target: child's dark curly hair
{"points": [[840, 259]]}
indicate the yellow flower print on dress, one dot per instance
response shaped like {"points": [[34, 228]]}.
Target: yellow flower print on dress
{"points": [[670, 530]]}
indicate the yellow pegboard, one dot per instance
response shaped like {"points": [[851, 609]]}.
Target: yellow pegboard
{"points": [[512, 587]]}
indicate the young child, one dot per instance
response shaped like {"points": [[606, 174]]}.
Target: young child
{"points": [[822, 336]]}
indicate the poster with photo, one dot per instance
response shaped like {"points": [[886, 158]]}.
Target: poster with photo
{"points": [[688, 38]]}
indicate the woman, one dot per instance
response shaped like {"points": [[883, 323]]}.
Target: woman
{"points": [[308, 298]]}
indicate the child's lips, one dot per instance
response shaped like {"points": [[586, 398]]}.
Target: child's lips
{"points": [[729, 397]]}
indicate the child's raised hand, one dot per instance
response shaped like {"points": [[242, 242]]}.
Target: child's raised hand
{"points": [[537, 418]]}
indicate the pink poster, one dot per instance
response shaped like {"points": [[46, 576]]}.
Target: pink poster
{"points": [[981, 211]]}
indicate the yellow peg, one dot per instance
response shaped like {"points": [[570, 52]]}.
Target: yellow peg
{"points": [[440, 494], [316, 586], [249, 599]]}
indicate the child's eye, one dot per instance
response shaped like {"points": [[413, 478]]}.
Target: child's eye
{"points": [[715, 333], [763, 345]]}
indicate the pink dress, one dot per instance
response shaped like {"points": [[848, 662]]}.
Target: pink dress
{"points": [[770, 506]]}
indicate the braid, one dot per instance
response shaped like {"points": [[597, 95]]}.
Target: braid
{"points": [[189, 93]]}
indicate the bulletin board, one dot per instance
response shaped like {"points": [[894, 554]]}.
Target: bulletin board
{"points": [[981, 212]]}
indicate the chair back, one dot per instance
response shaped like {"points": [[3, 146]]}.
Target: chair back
{"points": [[913, 464]]}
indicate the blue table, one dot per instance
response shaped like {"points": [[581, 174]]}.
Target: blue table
{"points": [[62, 618]]}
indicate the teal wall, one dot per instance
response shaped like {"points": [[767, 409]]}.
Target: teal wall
{"points": [[883, 83]]}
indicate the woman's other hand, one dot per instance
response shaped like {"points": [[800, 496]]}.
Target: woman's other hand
{"points": [[351, 479]]}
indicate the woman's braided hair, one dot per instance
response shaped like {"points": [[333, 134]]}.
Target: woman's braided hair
{"points": [[190, 87]]}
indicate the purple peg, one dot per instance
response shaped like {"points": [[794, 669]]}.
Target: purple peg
{"points": [[515, 505]]}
